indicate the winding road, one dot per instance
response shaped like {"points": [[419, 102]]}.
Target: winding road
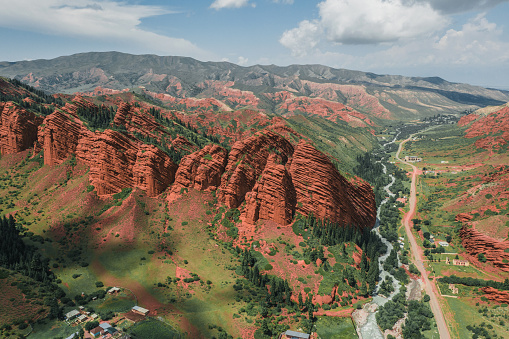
{"points": [[443, 330]]}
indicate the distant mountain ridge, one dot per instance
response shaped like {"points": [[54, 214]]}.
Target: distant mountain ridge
{"points": [[336, 94]]}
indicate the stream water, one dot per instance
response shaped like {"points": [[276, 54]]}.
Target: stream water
{"points": [[370, 329]]}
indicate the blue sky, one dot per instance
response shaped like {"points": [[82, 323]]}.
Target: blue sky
{"points": [[459, 40]]}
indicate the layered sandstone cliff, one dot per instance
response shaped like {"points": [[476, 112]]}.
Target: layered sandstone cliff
{"points": [[276, 180], [273, 196], [246, 162], [18, 128], [495, 251], [323, 191], [202, 169], [495, 295]]}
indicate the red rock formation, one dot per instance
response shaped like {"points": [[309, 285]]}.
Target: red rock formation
{"points": [[246, 163], [201, 169], [117, 161], [18, 128], [475, 242], [321, 190], [501, 297], [464, 217], [493, 128], [58, 136], [153, 171], [273, 196]]}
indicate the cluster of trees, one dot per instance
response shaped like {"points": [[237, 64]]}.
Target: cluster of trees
{"points": [[97, 117], [331, 233], [418, 319], [452, 279], [280, 292], [17, 256]]}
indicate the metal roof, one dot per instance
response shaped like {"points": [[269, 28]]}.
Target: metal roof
{"points": [[297, 334]]}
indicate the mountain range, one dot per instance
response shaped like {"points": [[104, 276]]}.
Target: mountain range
{"points": [[361, 99]]}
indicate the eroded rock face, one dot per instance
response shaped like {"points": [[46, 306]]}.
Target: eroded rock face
{"points": [[495, 295], [18, 128], [246, 163], [117, 161], [153, 171], [273, 196], [58, 136], [276, 181], [321, 190], [475, 242], [202, 169]]}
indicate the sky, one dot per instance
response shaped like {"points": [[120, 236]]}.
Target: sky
{"points": [[459, 40]]}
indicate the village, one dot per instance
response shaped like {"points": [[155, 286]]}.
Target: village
{"points": [[91, 327]]}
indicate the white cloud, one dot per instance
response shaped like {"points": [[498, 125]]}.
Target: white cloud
{"points": [[286, 2], [219, 4], [242, 61], [105, 20], [460, 6], [302, 39]]}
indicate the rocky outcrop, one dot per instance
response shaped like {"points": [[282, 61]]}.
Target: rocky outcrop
{"points": [[153, 171], [495, 251], [276, 180], [58, 136], [501, 297], [321, 190], [202, 169], [18, 128], [464, 217], [273, 196], [117, 161], [246, 163]]}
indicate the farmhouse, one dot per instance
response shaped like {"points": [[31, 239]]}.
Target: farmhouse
{"points": [[113, 290], [72, 314], [443, 243], [458, 262], [140, 310], [97, 331], [295, 335], [412, 158]]}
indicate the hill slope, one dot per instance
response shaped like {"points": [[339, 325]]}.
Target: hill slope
{"points": [[359, 98]]}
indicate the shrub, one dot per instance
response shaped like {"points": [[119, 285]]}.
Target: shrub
{"points": [[426, 298], [99, 284]]}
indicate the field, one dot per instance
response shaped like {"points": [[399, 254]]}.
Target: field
{"points": [[335, 328]]}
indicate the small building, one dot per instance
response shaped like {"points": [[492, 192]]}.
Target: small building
{"points": [[81, 318], [94, 316], [97, 331], [412, 158], [74, 335], [443, 243], [447, 261], [458, 262], [140, 310], [72, 314], [113, 290], [453, 288], [295, 335], [104, 325]]}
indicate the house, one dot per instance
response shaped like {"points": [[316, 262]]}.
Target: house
{"points": [[458, 262], [113, 290], [97, 331], [81, 318], [94, 316], [295, 335], [443, 243], [72, 314], [412, 158], [140, 310]]}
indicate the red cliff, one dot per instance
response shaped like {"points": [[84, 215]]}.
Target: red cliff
{"points": [[273, 196], [501, 297], [323, 191], [246, 163], [153, 171], [201, 169], [18, 128], [495, 251], [58, 136]]}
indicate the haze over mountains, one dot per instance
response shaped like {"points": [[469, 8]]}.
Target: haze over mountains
{"points": [[359, 98]]}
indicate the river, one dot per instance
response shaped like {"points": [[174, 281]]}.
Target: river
{"points": [[370, 329]]}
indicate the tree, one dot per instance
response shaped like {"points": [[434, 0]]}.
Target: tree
{"points": [[91, 325], [482, 257]]}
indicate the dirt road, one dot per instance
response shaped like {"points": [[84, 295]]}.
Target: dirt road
{"points": [[430, 289]]}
